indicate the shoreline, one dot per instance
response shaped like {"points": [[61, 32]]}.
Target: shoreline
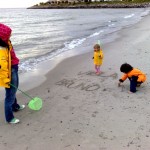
{"points": [[91, 6], [83, 111]]}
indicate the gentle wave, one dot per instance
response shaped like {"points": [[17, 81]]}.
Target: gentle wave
{"points": [[129, 16]]}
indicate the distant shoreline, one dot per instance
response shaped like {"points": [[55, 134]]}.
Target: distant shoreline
{"points": [[91, 6]]}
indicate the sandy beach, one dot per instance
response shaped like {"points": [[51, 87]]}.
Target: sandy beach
{"points": [[83, 111]]}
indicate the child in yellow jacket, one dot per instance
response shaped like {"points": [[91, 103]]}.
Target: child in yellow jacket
{"points": [[135, 76], [98, 58]]}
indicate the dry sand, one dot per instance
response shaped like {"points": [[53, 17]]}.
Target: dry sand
{"points": [[82, 111]]}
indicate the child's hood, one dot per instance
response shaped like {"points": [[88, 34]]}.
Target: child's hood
{"points": [[5, 32]]}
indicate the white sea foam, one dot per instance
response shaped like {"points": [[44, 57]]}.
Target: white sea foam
{"points": [[129, 16], [110, 25], [74, 43], [95, 34]]}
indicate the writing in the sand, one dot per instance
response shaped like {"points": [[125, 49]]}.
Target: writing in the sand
{"points": [[74, 84]]}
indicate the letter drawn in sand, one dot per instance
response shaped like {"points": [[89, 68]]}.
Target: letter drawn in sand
{"points": [[82, 85], [92, 87], [64, 82], [75, 85]]}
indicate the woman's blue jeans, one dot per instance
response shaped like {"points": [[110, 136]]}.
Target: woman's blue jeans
{"points": [[10, 98]]}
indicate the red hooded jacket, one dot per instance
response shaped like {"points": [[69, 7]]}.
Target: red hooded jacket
{"points": [[5, 33]]}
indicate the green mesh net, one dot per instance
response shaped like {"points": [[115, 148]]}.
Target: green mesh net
{"points": [[35, 103]]}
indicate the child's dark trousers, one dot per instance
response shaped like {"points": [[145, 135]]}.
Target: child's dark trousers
{"points": [[134, 84]]}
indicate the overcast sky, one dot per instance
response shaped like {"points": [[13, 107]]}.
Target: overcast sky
{"points": [[19, 3]]}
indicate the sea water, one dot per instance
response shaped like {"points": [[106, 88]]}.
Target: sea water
{"points": [[42, 38], [44, 34]]}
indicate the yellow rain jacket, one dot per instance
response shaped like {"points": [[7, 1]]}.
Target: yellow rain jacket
{"points": [[5, 67], [135, 72], [98, 57]]}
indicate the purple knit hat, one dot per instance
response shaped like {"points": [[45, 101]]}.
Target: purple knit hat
{"points": [[5, 32]]}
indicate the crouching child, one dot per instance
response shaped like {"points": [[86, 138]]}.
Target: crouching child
{"points": [[135, 76]]}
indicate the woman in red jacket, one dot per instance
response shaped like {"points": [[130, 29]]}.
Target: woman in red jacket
{"points": [[10, 98], [135, 76]]}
